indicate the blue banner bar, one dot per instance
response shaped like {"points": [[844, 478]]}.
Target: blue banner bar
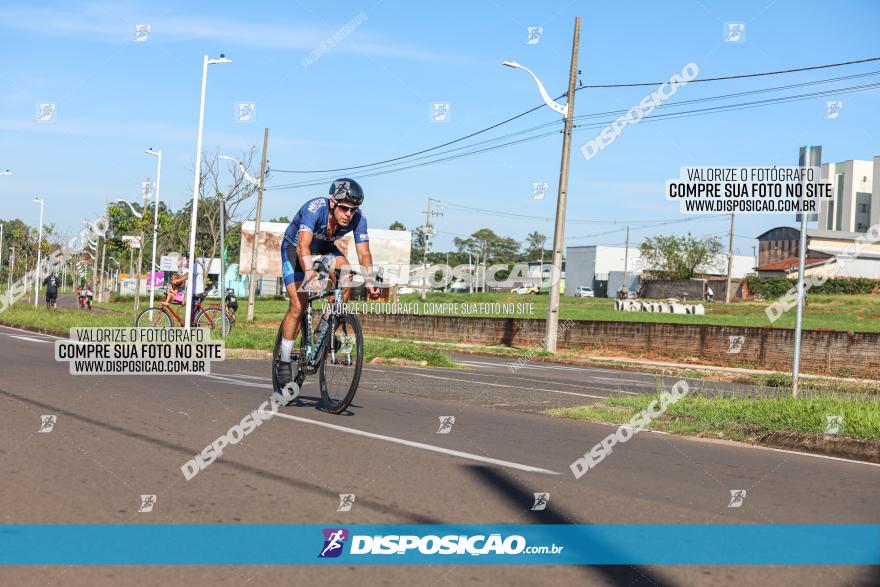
{"points": [[278, 544]]}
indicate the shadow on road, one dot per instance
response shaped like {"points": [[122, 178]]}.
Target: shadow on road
{"points": [[188, 453], [517, 495]]}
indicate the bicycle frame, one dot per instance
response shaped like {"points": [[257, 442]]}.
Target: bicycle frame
{"points": [[197, 312], [314, 348]]}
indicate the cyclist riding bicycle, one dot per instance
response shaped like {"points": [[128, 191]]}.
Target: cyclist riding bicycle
{"points": [[314, 231]]}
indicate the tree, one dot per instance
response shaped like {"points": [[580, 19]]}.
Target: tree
{"points": [[536, 246], [215, 194], [680, 257], [397, 225]]}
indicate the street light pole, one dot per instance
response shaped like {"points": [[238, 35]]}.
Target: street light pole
{"points": [[157, 154], [727, 293], [196, 181], [252, 285], [39, 253], [567, 111]]}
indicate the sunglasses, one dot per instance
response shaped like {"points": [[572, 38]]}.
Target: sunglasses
{"points": [[347, 209]]}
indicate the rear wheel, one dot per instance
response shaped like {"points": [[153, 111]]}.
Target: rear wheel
{"points": [[340, 371], [155, 317]]}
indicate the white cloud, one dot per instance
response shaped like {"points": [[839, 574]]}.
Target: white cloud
{"points": [[97, 24]]}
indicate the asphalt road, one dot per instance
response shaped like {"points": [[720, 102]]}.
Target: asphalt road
{"points": [[117, 438]]}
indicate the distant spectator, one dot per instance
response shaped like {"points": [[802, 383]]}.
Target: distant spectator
{"points": [[51, 283]]}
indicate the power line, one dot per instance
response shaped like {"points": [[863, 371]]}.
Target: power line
{"points": [[653, 117], [512, 118], [617, 112], [679, 221], [740, 76]]}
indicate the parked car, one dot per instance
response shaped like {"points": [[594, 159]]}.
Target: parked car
{"points": [[584, 292], [525, 290]]}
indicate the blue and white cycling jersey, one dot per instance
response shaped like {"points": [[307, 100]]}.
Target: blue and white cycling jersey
{"points": [[314, 217]]}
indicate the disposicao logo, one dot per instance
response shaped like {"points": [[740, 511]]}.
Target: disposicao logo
{"points": [[334, 540]]}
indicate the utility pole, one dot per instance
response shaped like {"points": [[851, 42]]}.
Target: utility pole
{"points": [[252, 285], [103, 276], [727, 294], [809, 157], [11, 267], [626, 265], [550, 331], [429, 232], [222, 287], [1, 245], [95, 271]]}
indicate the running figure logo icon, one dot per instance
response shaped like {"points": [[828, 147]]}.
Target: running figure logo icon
{"points": [[833, 424], [832, 109], [541, 501], [334, 540], [346, 500], [735, 344], [147, 503], [47, 423], [539, 189], [534, 35], [737, 497], [446, 423], [734, 32]]}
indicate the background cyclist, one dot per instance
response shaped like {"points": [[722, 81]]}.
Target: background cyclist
{"points": [[314, 231]]}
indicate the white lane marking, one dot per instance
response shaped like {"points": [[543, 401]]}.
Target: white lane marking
{"points": [[430, 447], [238, 382], [243, 376], [30, 332], [594, 369], [519, 387], [550, 366], [29, 338], [646, 384]]}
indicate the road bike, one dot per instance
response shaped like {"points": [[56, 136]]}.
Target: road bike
{"points": [[334, 350], [163, 315]]}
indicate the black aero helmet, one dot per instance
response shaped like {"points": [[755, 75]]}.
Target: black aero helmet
{"points": [[347, 190]]}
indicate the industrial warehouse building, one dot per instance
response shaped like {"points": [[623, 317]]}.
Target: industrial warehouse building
{"points": [[602, 268]]}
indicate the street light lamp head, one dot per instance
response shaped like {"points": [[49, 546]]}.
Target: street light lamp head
{"points": [[38, 200], [221, 59], [513, 64], [7, 172], [150, 151]]}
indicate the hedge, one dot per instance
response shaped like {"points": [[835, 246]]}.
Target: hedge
{"points": [[774, 287]]}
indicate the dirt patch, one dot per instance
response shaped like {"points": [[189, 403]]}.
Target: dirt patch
{"points": [[255, 354], [862, 449]]}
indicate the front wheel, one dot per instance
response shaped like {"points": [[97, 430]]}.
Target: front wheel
{"points": [[210, 318], [343, 359]]}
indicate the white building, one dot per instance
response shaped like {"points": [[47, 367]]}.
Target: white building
{"points": [[855, 206], [602, 268]]}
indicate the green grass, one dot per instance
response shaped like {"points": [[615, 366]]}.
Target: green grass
{"points": [[402, 349], [243, 336], [857, 313], [741, 419], [60, 320]]}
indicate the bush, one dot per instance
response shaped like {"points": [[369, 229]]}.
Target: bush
{"points": [[774, 287]]}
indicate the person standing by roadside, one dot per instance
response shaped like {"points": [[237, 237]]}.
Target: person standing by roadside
{"points": [[51, 283]]}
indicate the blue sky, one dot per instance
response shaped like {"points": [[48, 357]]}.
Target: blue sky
{"points": [[369, 99]]}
